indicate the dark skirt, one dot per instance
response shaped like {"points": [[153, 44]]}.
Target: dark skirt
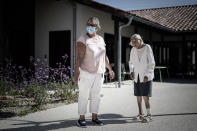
{"points": [[143, 88]]}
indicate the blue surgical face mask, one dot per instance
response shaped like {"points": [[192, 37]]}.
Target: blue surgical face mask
{"points": [[91, 29]]}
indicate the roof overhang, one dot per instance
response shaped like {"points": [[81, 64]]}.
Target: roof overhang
{"points": [[122, 15]]}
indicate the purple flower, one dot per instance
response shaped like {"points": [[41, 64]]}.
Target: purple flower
{"points": [[38, 60], [65, 76], [46, 76], [65, 56], [31, 58], [43, 73]]}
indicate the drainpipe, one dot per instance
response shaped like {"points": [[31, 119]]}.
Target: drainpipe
{"points": [[74, 37], [120, 49]]}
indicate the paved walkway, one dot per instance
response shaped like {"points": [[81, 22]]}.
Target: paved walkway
{"points": [[174, 108]]}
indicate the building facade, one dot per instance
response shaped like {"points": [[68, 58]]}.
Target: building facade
{"points": [[48, 29]]}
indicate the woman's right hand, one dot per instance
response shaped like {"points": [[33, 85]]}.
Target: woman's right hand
{"points": [[111, 74], [132, 76]]}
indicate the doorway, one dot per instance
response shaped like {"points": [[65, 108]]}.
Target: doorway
{"points": [[59, 45]]}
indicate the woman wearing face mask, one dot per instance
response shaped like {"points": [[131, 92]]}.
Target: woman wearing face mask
{"points": [[141, 66], [91, 63]]}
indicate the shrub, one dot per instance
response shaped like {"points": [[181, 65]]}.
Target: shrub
{"points": [[36, 80]]}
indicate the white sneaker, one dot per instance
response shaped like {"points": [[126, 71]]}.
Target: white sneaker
{"points": [[147, 119], [138, 117]]}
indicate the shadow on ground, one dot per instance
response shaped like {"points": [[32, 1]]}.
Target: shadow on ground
{"points": [[52, 125], [6, 114], [179, 114]]}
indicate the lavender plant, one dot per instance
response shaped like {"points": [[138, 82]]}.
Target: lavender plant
{"points": [[36, 80]]}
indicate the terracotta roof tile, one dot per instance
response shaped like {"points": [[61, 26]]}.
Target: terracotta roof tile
{"points": [[179, 18]]}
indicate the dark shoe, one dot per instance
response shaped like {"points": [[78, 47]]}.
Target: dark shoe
{"points": [[97, 121], [81, 123]]}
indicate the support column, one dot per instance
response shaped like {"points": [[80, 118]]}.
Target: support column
{"points": [[195, 59], [185, 48], [116, 39], [73, 63]]}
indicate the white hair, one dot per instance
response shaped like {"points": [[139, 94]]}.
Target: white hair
{"points": [[137, 36], [95, 21]]}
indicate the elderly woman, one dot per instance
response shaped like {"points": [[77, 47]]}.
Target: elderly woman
{"points": [[91, 63], [141, 66]]}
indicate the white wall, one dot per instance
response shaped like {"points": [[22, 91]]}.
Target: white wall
{"points": [[106, 22], [128, 31], [50, 15], [54, 15], [85, 12]]}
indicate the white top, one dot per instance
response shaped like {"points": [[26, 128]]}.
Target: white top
{"points": [[143, 66], [140, 52], [94, 59]]}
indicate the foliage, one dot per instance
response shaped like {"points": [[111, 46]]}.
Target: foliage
{"points": [[37, 81]]}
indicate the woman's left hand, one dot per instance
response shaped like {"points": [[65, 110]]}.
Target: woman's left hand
{"points": [[111, 74], [145, 79]]}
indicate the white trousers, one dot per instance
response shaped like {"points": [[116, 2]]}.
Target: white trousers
{"points": [[89, 87]]}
